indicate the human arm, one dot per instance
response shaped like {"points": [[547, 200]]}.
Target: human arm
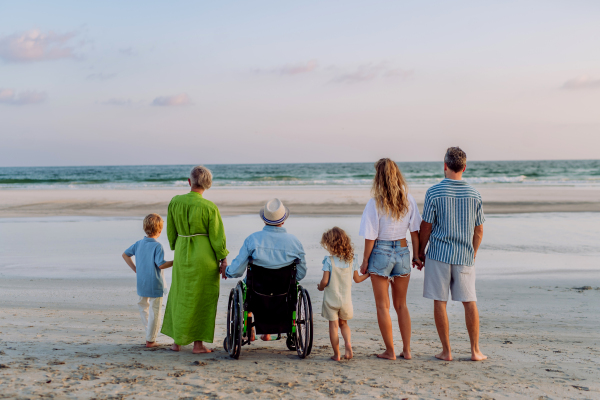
{"points": [[324, 281], [171, 228], [239, 264], [129, 262], [477, 238], [301, 267], [218, 241], [166, 265], [416, 261], [359, 278], [424, 234], [369, 244]]}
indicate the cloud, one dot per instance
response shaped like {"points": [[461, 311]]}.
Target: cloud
{"points": [[582, 82], [100, 77], [33, 45], [9, 96], [117, 102], [369, 72], [291, 69], [177, 100]]}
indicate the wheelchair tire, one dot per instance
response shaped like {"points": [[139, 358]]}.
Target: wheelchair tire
{"points": [[304, 324], [235, 323]]}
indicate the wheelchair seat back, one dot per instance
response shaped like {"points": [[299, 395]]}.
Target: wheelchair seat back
{"points": [[271, 296]]}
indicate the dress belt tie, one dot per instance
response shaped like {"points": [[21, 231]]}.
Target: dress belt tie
{"points": [[197, 234]]}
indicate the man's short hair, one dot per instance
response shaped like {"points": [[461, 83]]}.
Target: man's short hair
{"points": [[455, 159], [201, 177], [153, 224]]}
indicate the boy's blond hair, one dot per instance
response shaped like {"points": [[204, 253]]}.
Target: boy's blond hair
{"points": [[153, 224]]}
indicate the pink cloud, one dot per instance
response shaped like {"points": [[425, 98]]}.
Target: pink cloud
{"points": [[582, 82], [34, 46], [9, 96], [369, 72], [181, 99]]}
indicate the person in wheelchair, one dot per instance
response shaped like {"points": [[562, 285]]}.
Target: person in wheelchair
{"points": [[271, 248]]}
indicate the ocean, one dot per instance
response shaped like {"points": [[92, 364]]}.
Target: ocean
{"points": [[563, 172]]}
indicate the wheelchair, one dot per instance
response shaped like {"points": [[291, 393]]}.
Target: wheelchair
{"points": [[279, 305]]}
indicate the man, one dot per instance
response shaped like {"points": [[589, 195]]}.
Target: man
{"points": [[453, 225], [271, 248]]}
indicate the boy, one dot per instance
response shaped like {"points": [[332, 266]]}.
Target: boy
{"points": [[149, 256]]}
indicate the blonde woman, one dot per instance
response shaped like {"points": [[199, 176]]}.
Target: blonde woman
{"points": [[386, 219]]}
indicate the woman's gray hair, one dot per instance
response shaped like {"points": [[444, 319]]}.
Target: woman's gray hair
{"points": [[201, 177]]}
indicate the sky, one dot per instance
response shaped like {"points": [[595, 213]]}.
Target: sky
{"points": [[178, 82]]}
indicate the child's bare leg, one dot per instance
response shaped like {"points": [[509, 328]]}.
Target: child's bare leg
{"points": [[335, 340], [199, 347], [152, 344], [345, 328]]}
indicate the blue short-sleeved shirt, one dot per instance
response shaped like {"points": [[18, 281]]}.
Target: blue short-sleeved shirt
{"points": [[149, 255], [339, 263], [454, 208]]}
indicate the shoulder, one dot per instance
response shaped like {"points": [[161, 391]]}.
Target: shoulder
{"points": [[472, 192], [327, 260], [436, 190], [411, 199], [371, 206]]}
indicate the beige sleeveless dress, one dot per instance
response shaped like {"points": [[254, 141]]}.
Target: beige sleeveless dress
{"points": [[337, 296]]}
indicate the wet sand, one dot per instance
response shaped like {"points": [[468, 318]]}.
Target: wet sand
{"points": [[70, 327], [301, 200]]}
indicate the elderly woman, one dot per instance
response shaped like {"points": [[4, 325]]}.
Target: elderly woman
{"points": [[195, 231]]}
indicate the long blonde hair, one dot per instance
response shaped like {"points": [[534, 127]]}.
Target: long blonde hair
{"points": [[390, 189]]}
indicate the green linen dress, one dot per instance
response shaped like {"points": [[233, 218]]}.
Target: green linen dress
{"points": [[192, 303]]}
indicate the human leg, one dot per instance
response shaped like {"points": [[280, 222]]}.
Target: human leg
{"points": [[153, 321], [443, 328], [472, 320], [199, 348], [345, 328], [382, 302], [335, 340], [399, 289]]}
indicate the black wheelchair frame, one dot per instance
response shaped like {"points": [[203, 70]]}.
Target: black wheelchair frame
{"points": [[279, 305]]}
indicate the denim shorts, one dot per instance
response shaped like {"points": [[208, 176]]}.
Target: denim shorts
{"points": [[389, 259]]}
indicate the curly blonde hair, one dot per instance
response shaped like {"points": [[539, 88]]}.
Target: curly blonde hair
{"points": [[390, 189], [338, 243]]}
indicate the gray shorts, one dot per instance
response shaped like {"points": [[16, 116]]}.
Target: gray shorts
{"points": [[441, 278]]}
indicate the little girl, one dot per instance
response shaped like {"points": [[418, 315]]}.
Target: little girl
{"points": [[338, 271]]}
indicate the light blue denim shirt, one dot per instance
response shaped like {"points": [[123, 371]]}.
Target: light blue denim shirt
{"points": [[271, 248]]}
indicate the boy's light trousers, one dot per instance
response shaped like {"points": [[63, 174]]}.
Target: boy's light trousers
{"points": [[150, 313]]}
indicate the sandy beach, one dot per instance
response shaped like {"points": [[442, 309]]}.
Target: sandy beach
{"points": [[302, 200], [70, 325]]}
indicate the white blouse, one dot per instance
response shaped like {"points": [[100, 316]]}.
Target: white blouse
{"points": [[374, 226]]}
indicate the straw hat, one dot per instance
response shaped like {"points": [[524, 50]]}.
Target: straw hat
{"points": [[274, 212]]}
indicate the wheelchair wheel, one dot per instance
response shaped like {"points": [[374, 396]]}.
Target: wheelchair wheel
{"points": [[304, 324], [235, 323]]}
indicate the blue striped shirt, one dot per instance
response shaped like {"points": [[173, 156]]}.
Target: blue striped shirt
{"points": [[454, 208]]}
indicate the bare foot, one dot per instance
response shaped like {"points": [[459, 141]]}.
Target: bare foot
{"points": [[348, 354], [406, 355], [265, 338], [200, 349], [444, 356], [175, 347], [336, 357], [478, 356], [388, 355], [152, 344]]}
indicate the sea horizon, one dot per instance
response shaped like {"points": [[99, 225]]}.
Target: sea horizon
{"points": [[418, 173]]}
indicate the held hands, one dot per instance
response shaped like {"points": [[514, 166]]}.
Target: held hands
{"points": [[416, 262], [223, 268], [364, 266]]}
